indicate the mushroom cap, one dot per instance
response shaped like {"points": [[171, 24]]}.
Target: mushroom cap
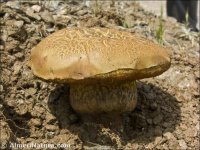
{"points": [[94, 54]]}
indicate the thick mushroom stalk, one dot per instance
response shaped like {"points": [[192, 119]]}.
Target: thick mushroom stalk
{"points": [[99, 98]]}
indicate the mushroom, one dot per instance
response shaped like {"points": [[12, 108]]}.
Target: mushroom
{"points": [[100, 65]]}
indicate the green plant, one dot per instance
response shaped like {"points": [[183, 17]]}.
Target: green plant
{"points": [[96, 9], [160, 30], [125, 24], [187, 19]]}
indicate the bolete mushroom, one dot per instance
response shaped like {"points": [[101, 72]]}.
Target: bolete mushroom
{"points": [[100, 65]]}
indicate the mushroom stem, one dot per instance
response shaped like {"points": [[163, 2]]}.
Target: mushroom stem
{"points": [[117, 97]]}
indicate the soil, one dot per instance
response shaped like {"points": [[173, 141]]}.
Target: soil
{"points": [[34, 111]]}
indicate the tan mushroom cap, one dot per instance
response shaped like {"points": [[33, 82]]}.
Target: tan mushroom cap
{"points": [[78, 54]]}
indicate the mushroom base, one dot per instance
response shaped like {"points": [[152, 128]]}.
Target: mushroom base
{"points": [[103, 98]]}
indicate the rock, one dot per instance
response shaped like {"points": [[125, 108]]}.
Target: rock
{"points": [[50, 135], [1, 107], [36, 8], [36, 122], [191, 132], [53, 5], [158, 140], [81, 12], [62, 19], [31, 91], [47, 16], [173, 144], [64, 10], [17, 67], [168, 135], [13, 4], [24, 18], [11, 45], [183, 127], [33, 15], [22, 109], [197, 74], [37, 112], [19, 24], [182, 144], [50, 118], [50, 30], [1, 88]]}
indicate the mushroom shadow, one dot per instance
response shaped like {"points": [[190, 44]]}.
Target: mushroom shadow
{"points": [[157, 112]]}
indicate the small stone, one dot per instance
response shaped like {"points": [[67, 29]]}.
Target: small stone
{"points": [[183, 127], [1, 107], [13, 4], [50, 30], [158, 140], [36, 122], [17, 66], [62, 19], [1, 88], [22, 109], [50, 118], [173, 144], [182, 144], [44, 86], [149, 146], [191, 132], [31, 14], [81, 12], [50, 135], [168, 136], [20, 101], [19, 55], [31, 91], [36, 8], [47, 17], [19, 24]]}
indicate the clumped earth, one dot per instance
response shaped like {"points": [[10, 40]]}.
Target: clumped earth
{"points": [[34, 111]]}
